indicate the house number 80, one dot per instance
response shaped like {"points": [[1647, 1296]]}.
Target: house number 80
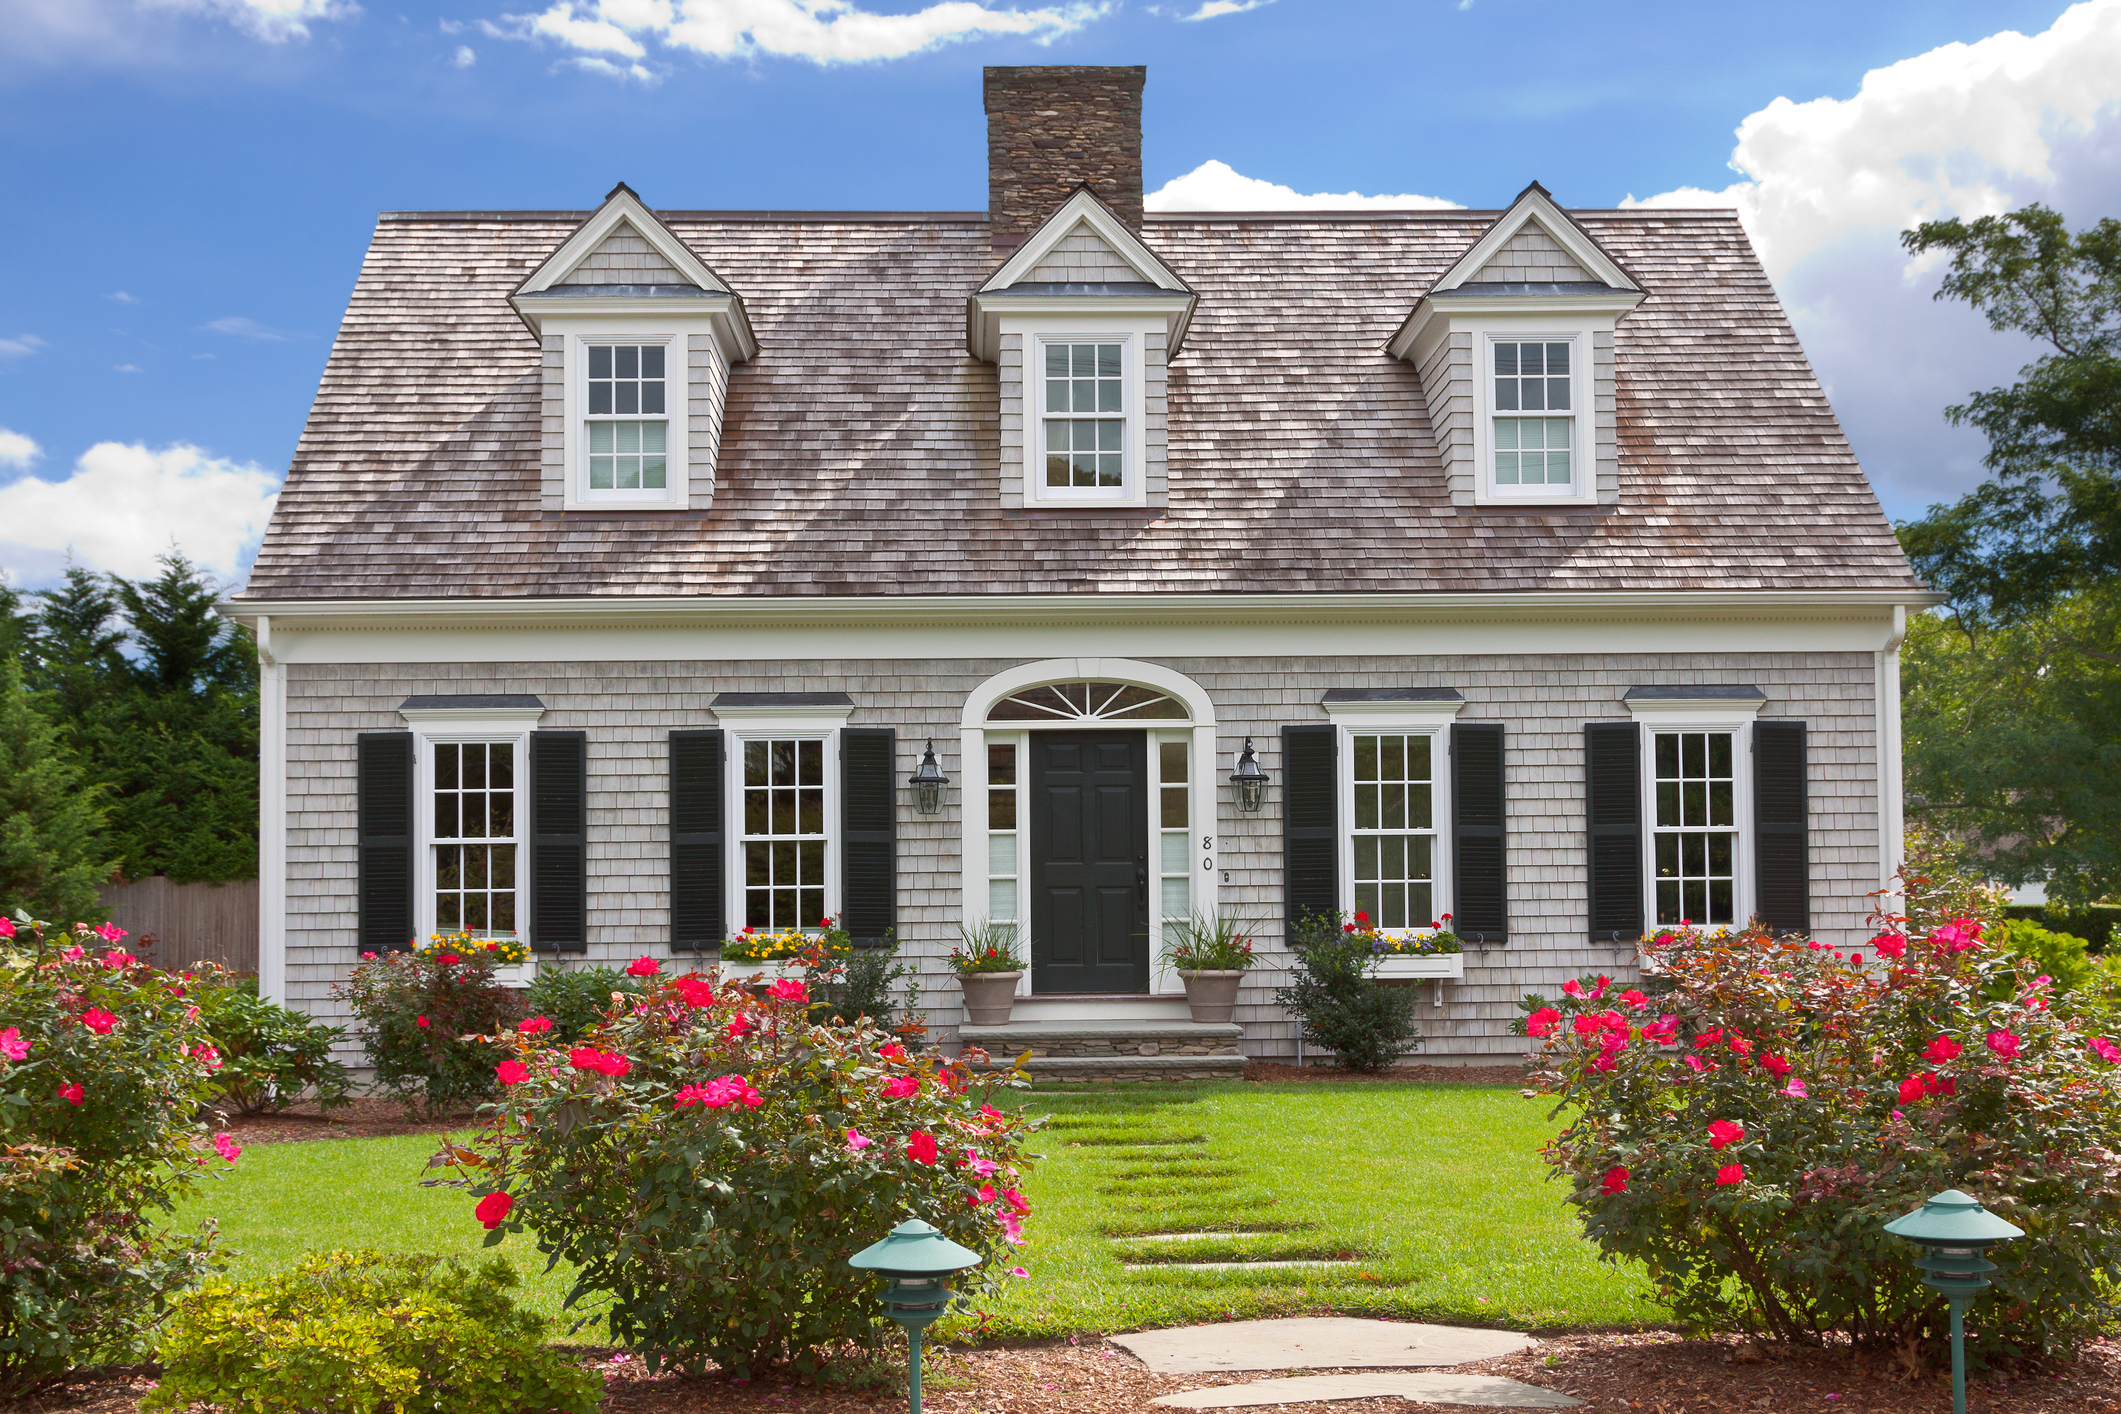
{"points": [[1207, 846]]}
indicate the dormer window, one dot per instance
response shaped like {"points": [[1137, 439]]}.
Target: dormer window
{"points": [[627, 432], [1085, 451], [1533, 453]]}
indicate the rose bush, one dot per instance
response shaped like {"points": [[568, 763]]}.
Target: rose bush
{"points": [[271, 1055], [105, 1068], [709, 1159], [422, 1020], [1747, 1132]]}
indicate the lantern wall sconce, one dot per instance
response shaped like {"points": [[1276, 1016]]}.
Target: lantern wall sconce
{"points": [[916, 1263], [928, 783], [1249, 781], [1954, 1230]]}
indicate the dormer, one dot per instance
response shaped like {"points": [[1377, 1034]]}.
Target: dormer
{"points": [[639, 335], [1514, 346], [1081, 321]]}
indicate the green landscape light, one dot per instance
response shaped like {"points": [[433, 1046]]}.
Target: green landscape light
{"points": [[914, 1260], [1954, 1230]]}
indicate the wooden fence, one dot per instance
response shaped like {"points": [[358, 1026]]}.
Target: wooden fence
{"points": [[188, 923]]}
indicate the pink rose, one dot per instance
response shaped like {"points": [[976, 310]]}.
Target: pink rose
{"points": [[788, 990], [898, 1087], [511, 1072], [421, 1022], [738, 1029], [2004, 1044], [1542, 1021], [110, 932], [643, 967], [227, 1148], [695, 991], [2101, 1047], [1723, 1133], [98, 1020], [1572, 988], [857, 1141], [1911, 1090], [1796, 1091], [15, 1048], [1942, 1049], [7, 928], [72, 1094], [531, 1026], [1890, 945], [920, 1147], [1774, 1065], [1636, 1000]]}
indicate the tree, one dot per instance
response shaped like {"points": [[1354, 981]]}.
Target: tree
{"points": [[184, 645], [51, 859], [2049, 519], [74, 644], [2013, 722]]}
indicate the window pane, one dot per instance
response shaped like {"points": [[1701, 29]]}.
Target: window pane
{"points": [[449, 866], [1174, 812], [627, 361], [1171, 761], [1506, 395], [501, 765], [445, 815], [1366, 856], [1531, 394], [1174, 852], [784, 812], [1001, 854], [757, 810], [1557, 358], [1365, 807], [1056, 360], [1108, 360], [651, 360], [1528, 359], [1506, 360], [1506, 429], [1001, 765], [810, 811], [1001, 898], [1108, 395], [1085, 360], [599, 361], [1557, 393], [446, 765], [1001, 809], [1177, 897]]}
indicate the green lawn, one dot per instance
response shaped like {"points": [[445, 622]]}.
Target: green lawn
{"points": [[1436, 1193]]}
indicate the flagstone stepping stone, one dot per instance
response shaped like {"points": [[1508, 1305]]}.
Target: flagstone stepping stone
{"points": [[1315, 1343], [1185, 1236], [1490, 1391], [1238, 1267]]}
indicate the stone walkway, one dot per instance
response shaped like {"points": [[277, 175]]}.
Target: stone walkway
{"points": [[1337, 1343]]}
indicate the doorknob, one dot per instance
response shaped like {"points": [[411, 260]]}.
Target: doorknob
{"points": [[1141, 880]]}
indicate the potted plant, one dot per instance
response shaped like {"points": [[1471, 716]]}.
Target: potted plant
{"points": [[1211, 955], [987, 965], [792, 954]]}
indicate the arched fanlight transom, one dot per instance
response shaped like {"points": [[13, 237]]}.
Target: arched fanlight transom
{"points": [[1087, 702]]}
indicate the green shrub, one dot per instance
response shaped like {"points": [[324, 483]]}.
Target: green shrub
{"points": [[355, 1333], [858, 985], [2059, 956], [2094, 923], [1336, 996], [104, 1070], [1748, 1134], [424, 1021], [574, 999], [708, 1160], [271, 1056]]}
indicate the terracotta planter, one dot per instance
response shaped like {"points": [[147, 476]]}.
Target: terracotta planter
{"points": [[1212, 996], [988, 996]]}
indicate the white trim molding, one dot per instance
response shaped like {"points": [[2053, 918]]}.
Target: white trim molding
{"points": [[1199, 707], [1698, 706], [272, 818]]}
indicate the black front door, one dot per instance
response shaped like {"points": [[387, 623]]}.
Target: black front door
{"points": [[1089, 862]]}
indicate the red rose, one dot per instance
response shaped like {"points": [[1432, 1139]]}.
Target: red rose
{"points": [[448, 959], [1730, 1174], [1723, 1132], [420, 1021], [493, 1210], [1616, 1181], [920, 1147], [643, 967], [511, 1072], [531, 1026], [1942, 1049], [72, 1094]]}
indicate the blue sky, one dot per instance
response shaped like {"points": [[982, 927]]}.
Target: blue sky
{"points": [[191, 183]]}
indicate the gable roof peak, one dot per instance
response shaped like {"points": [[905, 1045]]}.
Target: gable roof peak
{"points": [[1083, 207], [622, 206], [1535, 206]]}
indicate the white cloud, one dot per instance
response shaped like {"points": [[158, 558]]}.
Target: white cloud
{"points": [[124, 504], [589, 64], [1828, 185], [21, 346], [274, 21], [822, 31], [238, 327], [125, 368], [120, 297], [16, 450], [1215, 9], [1213, 186], [464, 58]]}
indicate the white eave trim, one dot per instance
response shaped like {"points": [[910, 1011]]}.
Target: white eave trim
{"points": [[775, 715], [724, 313], [1618, 303], [1359, 713], [983, 315], [621, 206], [1534, 205], [942, 610]]}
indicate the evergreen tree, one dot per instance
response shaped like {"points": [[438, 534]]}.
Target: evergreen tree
{"points": [[51, 859], [184, 645], [74, 645]]}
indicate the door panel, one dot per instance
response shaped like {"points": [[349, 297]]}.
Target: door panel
{"points": [[1089, 855]]}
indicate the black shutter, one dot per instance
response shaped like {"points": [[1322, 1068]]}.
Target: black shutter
{"points": [[1310, 846], [1479, 892], [559, 841], [869, 834], [383, 805], [1613, 797], [1781, 829], [698, 916]]}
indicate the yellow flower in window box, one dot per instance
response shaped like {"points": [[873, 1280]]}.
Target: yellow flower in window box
{"points": [[463, 945]]}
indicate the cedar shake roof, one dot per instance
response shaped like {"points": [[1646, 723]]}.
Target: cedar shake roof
{"points": [[860, 449]]}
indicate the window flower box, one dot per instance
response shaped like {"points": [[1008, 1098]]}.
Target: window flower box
{"points": [[516, 974], [765, 973], [1446, 964]]}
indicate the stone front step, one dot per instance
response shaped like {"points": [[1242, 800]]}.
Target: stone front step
{"points": [[1114, 1050], [1105, 1038]]}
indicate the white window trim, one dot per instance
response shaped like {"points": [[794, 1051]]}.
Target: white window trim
{"points": [[822, 723], [435, 725], [1131, 333], [1432, 720], [678, 378], [1583, 409], [1681, 715]]}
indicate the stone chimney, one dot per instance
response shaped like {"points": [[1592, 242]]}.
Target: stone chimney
{"points": [[1051, 128]]}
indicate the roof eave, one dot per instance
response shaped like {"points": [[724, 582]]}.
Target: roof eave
{"points": [[983, 315], [724, 312], [1618, 303]]}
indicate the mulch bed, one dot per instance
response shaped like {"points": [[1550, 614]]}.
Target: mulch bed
{"points": [[1653, 1373], [370, 1118], [1508, 1074]]}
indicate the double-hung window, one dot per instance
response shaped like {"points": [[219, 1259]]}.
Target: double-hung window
{"points": [[1082, 396], [1393, 836], [476, 837], [1694, 824], [1533, 425], [626, 427], [784, 838]]}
